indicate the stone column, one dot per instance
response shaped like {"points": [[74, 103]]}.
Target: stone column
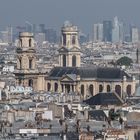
{"points": [[64, 87], [74, 88], [70, 87]]}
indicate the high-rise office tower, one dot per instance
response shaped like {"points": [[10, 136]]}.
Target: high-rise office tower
{"points": [[39, 38], [98, 32], [82, 38], [138, 54], [10, 34], [42, 28], [7, 35], [134, 32], [107, 31], [115, 31], [121, 31], [29, 26], [51, 35]]}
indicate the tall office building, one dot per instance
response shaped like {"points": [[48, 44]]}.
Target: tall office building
{"points": [[42, 28], [107, 31], [39, 38], [98, 32], [29, 26], [134, 32], [115, 31], [7, 35], [51, 35], [39, 28], [121, 31]]}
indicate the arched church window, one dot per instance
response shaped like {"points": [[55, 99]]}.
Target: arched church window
{"points": [[91, 90], [74, 61], [20, 65], [118, 90], [21, 42], [64, 60], [100, 88], [30, 42], [82, 90], [108, 88], [30, 82], [49, 86], [128, 90], [73, 40], [55, 87], [64, 39], [30, 63]]}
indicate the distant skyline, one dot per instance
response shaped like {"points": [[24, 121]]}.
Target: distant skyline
{"points": [[53, 13]]}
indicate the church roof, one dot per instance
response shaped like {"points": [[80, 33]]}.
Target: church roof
{"points": [[99, 73]]}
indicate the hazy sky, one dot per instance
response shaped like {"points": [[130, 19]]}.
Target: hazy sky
{"points": [[80, 12]]}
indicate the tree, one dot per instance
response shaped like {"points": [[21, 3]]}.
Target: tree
{"points": [[124, 61]]}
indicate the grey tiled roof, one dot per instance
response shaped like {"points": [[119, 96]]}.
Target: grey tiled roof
{"points": [[104, 99], [88, 72]]}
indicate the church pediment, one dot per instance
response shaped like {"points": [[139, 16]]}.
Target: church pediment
{"points": [[63, 49], [68, 78], [75, 49]]}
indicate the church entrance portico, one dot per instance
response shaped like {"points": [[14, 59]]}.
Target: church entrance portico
{"points": [[67, 87]]}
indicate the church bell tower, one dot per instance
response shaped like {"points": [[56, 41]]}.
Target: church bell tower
{"points": [[26, 61], [69, 52]]}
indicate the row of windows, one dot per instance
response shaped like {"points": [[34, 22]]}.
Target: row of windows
{"points": [[30, 82], [73, 40], [30, 42], [55, 87], [30, 64], [73, 61], [118, 89]]}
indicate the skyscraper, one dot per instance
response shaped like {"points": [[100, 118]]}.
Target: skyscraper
{"points": [[121, 31], [107, 31], [51, 35], [42, 28], [7, 35], [134, 32], [98, 32], [115, 31], [39, 38]]}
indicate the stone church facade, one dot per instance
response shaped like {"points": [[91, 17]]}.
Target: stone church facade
{"points": [[27, 73], [69, 76]]}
